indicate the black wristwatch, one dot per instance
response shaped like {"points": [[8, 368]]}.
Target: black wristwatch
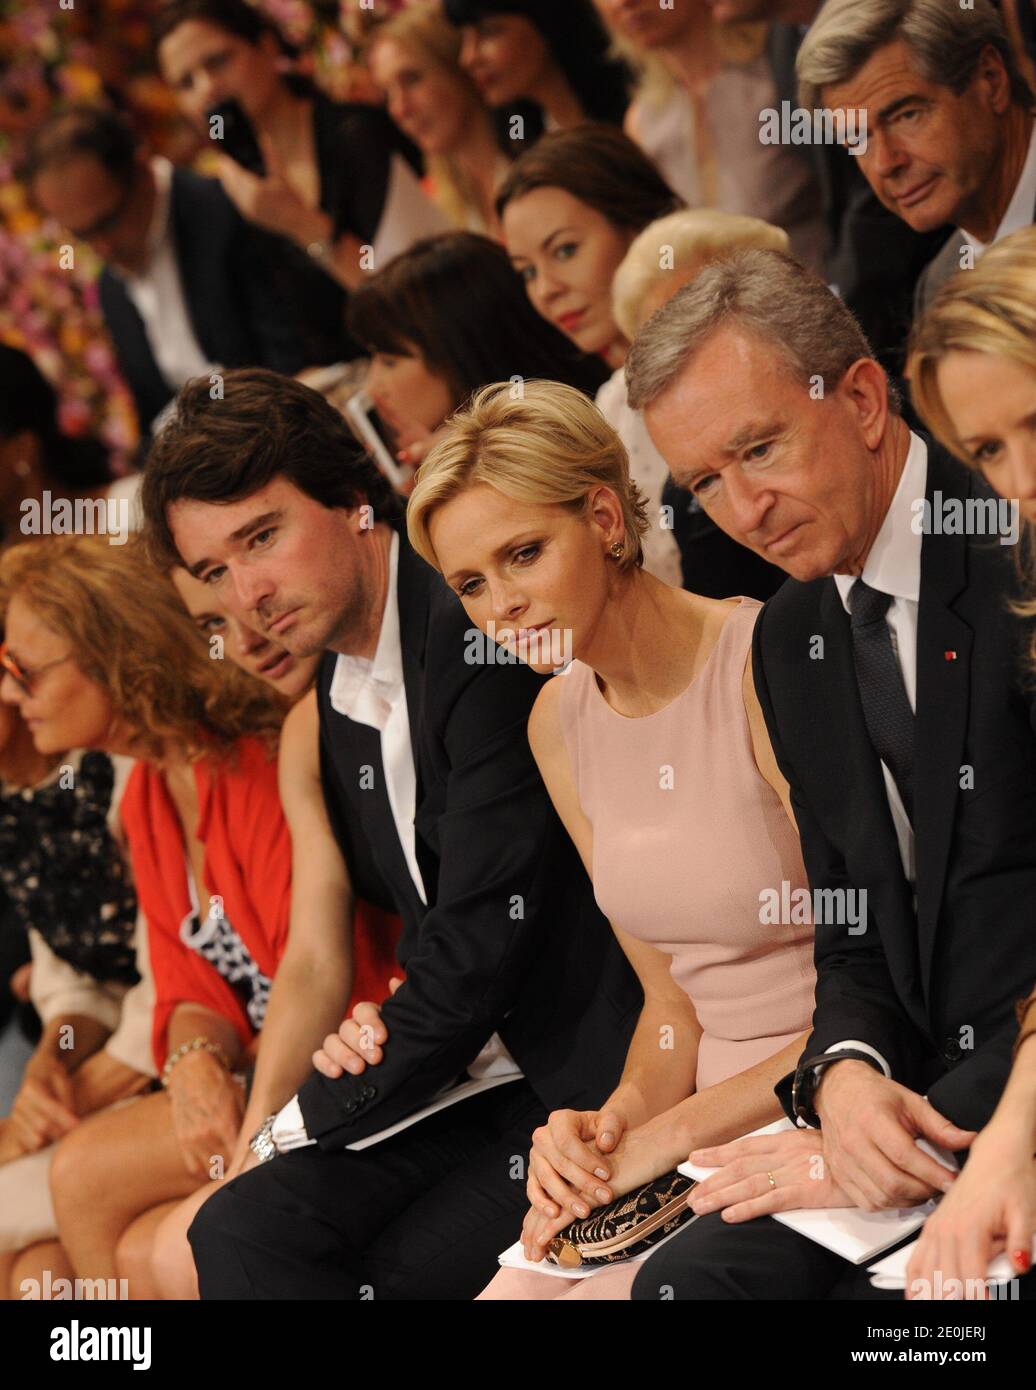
{"points": [[807, 1077]]}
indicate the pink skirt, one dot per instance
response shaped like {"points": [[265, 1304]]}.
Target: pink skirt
{"points": [[612, 1284]]}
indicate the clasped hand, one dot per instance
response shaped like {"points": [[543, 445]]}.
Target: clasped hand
{"points": [[357, 1043], [583, 1159]]}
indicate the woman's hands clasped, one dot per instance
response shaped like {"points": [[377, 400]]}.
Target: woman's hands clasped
{"points": [[584, 1159]]}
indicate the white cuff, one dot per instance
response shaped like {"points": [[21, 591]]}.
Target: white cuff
{"points": [[289, 1128], [863, 1047]]}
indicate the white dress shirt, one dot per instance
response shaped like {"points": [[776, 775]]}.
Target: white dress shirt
{"points": [[893, 567], [157, 292], [1019, 212], [373, 692]]}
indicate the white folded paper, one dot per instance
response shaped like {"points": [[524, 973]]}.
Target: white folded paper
{"points": [[890, 1273]]}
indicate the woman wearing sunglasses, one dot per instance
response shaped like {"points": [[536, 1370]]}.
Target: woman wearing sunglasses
{"points": [[211, 861]]}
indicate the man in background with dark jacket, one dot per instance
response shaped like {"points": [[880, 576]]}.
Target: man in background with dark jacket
{"points": [[185, 284]]}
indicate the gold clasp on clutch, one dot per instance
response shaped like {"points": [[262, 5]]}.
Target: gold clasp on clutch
{"points": [[564, 1253]]}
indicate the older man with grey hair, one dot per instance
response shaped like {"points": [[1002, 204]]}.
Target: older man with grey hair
{"points": [[949, 117], [888, 672]]}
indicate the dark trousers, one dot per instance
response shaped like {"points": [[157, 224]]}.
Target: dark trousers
{"points": [[760, 1259], [422, 1215]]}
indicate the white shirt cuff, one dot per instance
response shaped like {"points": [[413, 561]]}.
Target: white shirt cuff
{"points": [[289, 1128], [863, 1047]]}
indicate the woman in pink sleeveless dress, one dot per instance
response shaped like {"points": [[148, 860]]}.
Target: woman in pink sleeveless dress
{"points": [[654, 751]]}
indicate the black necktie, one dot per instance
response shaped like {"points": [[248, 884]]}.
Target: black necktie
{"points": [[890, 720]]}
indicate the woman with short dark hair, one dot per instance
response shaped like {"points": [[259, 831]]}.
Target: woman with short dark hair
{"points": [[554, 55], [445, 318]]}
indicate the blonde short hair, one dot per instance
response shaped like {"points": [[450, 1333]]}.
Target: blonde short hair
{"points": [[692, 237], [534, 441], [991, 309]]}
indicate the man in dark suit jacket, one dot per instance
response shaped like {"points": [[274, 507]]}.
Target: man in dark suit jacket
{"points": [[873, 259], [236, 320], [949, 116], [187, 286], [510, 967], [913, 780]]}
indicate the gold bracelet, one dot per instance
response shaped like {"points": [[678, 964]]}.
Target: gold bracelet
{"points": [[199, 1044]]}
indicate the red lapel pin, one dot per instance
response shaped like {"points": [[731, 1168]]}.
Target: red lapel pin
{"points": [[949, 656]]}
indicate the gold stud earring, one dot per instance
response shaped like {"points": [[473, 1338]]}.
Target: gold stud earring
{"points": [[617, 551]]}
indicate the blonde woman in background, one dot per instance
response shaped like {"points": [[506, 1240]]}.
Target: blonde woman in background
{"points": [[413, 58], [972, 369], [696, 114], [662, 258]]}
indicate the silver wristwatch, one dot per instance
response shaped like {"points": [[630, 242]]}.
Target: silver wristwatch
{"points": [[261, 1143]]}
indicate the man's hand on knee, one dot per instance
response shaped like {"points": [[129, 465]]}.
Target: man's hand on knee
{"points": [[871, 1126]]}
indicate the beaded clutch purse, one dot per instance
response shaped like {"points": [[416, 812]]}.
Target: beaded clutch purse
{"points": [[626, 1227]]}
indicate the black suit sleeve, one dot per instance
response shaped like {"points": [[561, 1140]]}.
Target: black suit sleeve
{"points": [[269, 274], [970, 1092], [497, 833], [855, 995]]}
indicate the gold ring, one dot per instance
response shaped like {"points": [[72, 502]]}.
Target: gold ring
{"points": [[772, 1179]]}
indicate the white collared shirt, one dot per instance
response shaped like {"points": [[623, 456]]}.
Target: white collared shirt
{"points": [[894, 567], [1020, 209], [373, 692], [157, 292]]}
